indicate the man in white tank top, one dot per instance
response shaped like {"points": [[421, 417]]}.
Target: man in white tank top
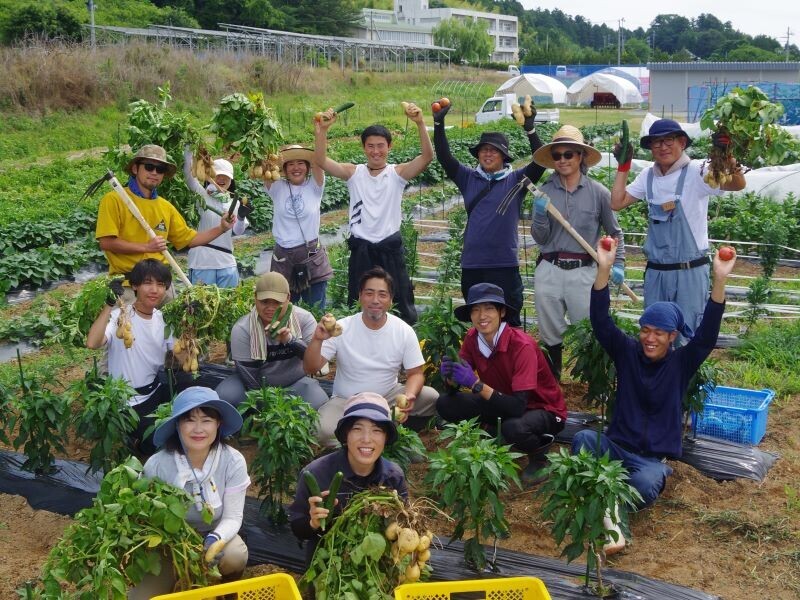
{"points": [[376, 191]]}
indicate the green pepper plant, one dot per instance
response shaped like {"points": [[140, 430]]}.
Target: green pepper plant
{"points": [[580, 490], [284, 427], [468, 476], [105, 418], [43, 417]]}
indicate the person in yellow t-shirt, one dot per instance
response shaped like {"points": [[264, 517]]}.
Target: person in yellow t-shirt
{"points": [[123, 239]]}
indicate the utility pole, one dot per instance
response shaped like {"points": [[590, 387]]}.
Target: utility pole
{"points": [[786, 47], [90, 6], [619, 40]]}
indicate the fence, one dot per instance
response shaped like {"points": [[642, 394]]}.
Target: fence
{"points": [[702, 97]]}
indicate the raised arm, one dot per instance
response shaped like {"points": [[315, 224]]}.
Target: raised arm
{"points": [[342, 171], [417, 165]]}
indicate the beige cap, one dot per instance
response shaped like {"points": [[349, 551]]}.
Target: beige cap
{"points": [[152, 152], [566, 136], [272, 286]]}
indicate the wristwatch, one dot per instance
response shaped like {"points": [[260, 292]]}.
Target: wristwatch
{"points": [[477, 388]]}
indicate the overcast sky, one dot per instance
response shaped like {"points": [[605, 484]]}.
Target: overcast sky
{"points": [[753, 18]]}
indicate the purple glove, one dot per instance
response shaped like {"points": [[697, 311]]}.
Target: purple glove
{"points": [[463, 375], [446, 368]]}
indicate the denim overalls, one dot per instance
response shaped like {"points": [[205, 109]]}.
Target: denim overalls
{"points": [[670, 242]]}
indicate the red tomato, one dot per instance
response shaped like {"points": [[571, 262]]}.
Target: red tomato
{"points": [[726, 253], [436, 107], [607, 243]]}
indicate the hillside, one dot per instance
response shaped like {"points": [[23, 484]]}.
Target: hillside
{"points": [[546, 36]]}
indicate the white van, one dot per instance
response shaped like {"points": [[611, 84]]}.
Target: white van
{"points": [[561, 71], [513, 70], [499, 107]]}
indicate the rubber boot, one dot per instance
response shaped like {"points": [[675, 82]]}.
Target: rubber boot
{"points": [[537, 460], [612, 546], [554, 358]]}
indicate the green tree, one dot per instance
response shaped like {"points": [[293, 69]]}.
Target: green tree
{"points": [[323, 17], [748, 52], [48, 20], [469, 39]]}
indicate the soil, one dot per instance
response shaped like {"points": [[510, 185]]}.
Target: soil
{"points": [[737, 539], [734, 539]]}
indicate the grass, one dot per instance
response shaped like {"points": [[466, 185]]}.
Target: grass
{"points": [[45, 365]]}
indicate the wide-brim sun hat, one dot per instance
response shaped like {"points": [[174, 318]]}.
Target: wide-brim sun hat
{"points": [[197, 397], [567, 135], [494, 139], [366, 405], [155, 153], [480, 293], [296, 152], [663, 128]]}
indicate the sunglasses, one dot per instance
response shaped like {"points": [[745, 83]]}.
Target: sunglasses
{"points": [[566, 155], [150, 167]]}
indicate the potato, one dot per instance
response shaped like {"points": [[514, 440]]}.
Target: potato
{"points": [[407, 540], [401, 401], [392, 531]]}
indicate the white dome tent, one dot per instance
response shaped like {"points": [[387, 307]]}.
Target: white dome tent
{"points": [[535, 85], [583, 90]]}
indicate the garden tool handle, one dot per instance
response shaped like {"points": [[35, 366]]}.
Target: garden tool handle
{"points": [[556, 214], [123, 195]]}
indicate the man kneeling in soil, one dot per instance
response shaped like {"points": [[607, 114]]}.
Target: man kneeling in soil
{"points": [[513, 383], [652, 378]]}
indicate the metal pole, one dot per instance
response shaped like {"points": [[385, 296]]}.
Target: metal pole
{"points": [[90, 6]]}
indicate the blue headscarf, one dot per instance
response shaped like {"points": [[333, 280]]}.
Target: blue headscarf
{"points": [[666, 316]]}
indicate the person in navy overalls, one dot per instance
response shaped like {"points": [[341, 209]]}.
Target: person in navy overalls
{"points": [[677, 234]]}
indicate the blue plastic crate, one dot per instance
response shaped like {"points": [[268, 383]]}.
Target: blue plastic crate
{"points": [[734, 414]]}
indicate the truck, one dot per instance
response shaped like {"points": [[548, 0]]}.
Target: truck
{"points": [[499, 107]]}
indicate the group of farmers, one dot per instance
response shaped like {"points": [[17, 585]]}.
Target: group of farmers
{"points": [[501, 374]]}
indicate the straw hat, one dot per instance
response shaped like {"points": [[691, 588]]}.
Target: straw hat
{"points": [[155, 153], [570, 136], [297, 152]]}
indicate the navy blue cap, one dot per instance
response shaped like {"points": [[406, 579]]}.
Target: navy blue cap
{"points": [[478, 294], [662, 128]]}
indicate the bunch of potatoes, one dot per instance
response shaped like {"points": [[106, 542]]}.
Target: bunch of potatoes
{"points": [[187, 351], [408, 542], [124, 328], [203, 168], [268, 169]]}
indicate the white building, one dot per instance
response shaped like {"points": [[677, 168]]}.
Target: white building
{"points": [[413, 21]]}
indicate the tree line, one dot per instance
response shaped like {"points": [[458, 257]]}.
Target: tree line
{"points": [[546, 36]]}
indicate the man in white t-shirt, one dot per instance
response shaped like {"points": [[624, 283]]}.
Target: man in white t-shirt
{"points": [[369, 354], [677, 199], [376, 192], [138, 365]]}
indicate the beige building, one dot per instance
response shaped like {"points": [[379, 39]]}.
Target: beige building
{"points": [[413, 21]]}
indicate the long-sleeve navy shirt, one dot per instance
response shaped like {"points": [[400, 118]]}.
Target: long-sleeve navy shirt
{"points": [[648, 411], [385, 473], [491, 239]]}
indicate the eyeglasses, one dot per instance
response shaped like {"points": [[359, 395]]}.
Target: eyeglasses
{"points": [[150, 167], [666, 142], [566, 155]]}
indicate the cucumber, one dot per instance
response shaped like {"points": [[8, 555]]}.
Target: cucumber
{"points": [[343, 107], [330, 499], [277, 323], [625, 142], [312, 484]]}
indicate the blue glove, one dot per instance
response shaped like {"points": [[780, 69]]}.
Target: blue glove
{"points": [[617, 274], [463, 375], [540, 205], [210, 540]]}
